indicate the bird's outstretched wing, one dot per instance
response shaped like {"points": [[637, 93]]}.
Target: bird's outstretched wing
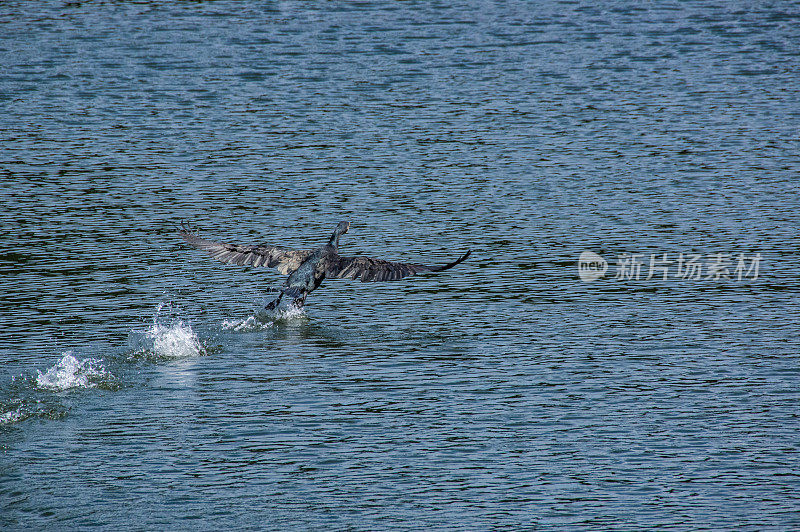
{"points": [[285, 260], [368, 269]]}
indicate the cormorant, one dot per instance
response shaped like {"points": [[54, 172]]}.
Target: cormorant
{"points": [[308, 268]]}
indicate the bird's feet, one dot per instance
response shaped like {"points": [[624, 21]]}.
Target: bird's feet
{"points": [[272, 305]]}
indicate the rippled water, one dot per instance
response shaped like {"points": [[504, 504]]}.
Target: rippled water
{"points": [[142, 384]]}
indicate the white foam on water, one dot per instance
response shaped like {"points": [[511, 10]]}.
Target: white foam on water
{"points": [[12, 416], [169, 337], [69, 372], [250, 323], [175, 340], [265, 319], [290, 313]]}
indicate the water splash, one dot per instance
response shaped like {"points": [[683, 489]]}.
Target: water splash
{"points": [[19, 410], [172, 337], [291, 313], [250, 323], [264, 319], [175, 340], [69, 372], [30, 395], [12, 416]]}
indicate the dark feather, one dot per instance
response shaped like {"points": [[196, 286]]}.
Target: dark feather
{"points": [[285, 260], [368, 269]]}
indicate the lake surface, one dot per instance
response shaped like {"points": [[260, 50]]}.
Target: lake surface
{"points": [[142, 386]]}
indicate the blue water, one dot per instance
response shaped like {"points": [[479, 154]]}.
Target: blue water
{"points": [[143, 387]]}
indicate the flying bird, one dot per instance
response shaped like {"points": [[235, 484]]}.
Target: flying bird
{"points": [[308, 268]]}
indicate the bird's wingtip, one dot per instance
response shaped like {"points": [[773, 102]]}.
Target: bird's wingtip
{"points": [[463, 257], [186, 230], [459, 260]]}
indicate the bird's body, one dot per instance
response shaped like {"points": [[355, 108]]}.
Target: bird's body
{"points": [[308, 268]]}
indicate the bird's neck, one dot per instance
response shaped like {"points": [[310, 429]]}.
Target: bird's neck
{"points": [[334, 241]]}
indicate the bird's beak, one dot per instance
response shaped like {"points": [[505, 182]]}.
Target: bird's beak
{"points": [[346, 229]]}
